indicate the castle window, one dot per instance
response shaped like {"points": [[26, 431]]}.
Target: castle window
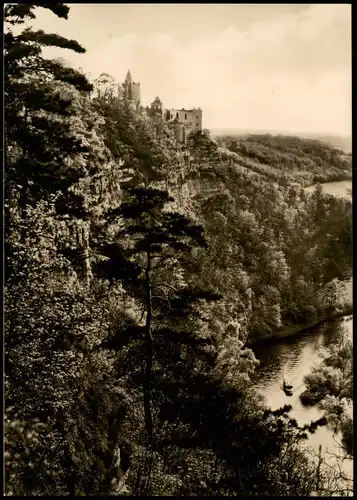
{"points": [[176, 115], [185, 116]]}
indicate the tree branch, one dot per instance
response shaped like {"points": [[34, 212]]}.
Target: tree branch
{"points": [[158, 285], [159, 297]]}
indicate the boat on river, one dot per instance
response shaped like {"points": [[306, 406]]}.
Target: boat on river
{"points": [[288, 388]]}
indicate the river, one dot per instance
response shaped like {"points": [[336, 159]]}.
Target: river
{"points": [[338, 188], [292, 358]]}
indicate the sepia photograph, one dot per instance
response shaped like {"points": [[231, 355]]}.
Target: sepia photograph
{"points": [[178, 313]]}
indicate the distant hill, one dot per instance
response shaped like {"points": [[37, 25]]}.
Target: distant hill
{"points": [[286, 159], [339, 142]]}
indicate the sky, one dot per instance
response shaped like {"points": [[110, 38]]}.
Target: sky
{"points": [[277, 67]]}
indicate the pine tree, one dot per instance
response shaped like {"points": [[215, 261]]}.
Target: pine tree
{"points": [[38, 108], [159, 237]]}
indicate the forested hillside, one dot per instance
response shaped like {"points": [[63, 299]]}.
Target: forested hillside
{"points": [[287, 159], [343, 143], [138, 271], [278, 253]]}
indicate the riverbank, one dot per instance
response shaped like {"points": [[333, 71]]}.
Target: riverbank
{"points": [[299, 329]]}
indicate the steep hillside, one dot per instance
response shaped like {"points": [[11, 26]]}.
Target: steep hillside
{"points": [[274, 251], [339, 142], [288, 159]]}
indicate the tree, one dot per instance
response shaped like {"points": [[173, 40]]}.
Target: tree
{"points": [[52, 128], [159, 236], [38, 109], [330, 386], [197, 405]]}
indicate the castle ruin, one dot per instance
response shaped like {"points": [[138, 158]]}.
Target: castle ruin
{"points": [[182, 121], [131, 89], [108, 88]]}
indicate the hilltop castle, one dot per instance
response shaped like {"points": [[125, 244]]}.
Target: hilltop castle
{"points": [[182, 121]]}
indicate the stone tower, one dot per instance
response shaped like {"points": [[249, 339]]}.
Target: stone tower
{"points": [[156, 107], [131, 89]]}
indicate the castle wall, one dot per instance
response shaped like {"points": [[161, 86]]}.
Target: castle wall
{"points": [[190, 119], [180, 132]]}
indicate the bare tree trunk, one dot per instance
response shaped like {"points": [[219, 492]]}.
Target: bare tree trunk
{"points": [[87, 270], [149, 357], [318, 472], [83, 242], [23, 199], [24, 189]]}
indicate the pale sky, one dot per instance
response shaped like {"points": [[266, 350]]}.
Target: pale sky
{"points": [[248, 66]]}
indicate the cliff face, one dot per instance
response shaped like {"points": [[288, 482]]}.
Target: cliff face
{"points": [[265, 237], [273, 249]]}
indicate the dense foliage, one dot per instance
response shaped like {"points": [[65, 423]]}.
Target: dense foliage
{"points": [[138, 270], [287, 158], [330, 386], [287, 251]]}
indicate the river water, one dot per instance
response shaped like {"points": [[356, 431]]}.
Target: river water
{"points": [[292, 358], [338, 188]]}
